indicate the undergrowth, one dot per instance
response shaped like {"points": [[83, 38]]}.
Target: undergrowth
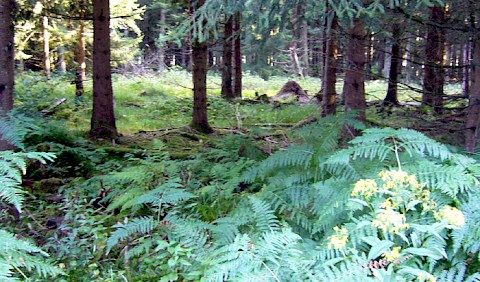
{"points": [[390, 205]]}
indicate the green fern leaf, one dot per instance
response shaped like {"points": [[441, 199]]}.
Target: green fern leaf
{"points": [[123, 231]]}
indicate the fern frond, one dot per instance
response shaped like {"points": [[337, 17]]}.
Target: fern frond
{"points": [[466, 237], [167, 193], [123, 231], [449, 179], [15, 253], [15, 127], [264, 217]]}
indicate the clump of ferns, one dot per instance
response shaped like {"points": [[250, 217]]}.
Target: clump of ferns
{"points": [[19, 257], [407, 220]]}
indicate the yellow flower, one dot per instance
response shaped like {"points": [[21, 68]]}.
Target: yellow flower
{"points": [[391, 221], [452, 215], [365, 187], [426, 277], [393, 255], [339, 239]]}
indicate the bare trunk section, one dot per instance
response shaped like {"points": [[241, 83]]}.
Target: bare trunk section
{"points": [[354, 85], [80, 75], [329, 100], [199, 76], [392, 91], [161, 45], [304, 45], [227, 63], [61, 60], [103, 117], [473, 118], [46, 46], [7, 65], [237, 55], [434, 78]]}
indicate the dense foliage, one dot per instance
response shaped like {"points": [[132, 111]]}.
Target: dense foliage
{"points": [[390, 205]]}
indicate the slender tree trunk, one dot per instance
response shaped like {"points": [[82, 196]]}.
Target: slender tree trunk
{"points": [[434, 78], [103, 117], [304, 44], [409, 71], [329, 101], [7, 65], [80, 75], [199, 75], [380, 58], [237, 55], [61, 60], [227, 63], [354, 84], [392, 91], [473, 118], [46, 46], [161, 45], [467, 69]]}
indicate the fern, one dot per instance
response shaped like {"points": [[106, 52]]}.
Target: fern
{"points": [[123, 231], [15, 127]]}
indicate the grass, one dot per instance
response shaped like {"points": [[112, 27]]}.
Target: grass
{"points": [[164, 100]]}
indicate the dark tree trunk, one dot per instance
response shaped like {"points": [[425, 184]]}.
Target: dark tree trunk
{"points": [[227, 63], [354, 84], [380, 58], [81, 65], [329, 100], [392, 91], [473, 118], [237, 55], [103, 117], [7, 64], [433, 80], [199, 75]]}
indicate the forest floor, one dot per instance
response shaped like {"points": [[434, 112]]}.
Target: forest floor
{"points": [[151, 109]]}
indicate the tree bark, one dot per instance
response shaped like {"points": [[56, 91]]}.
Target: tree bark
{"points": [[392, 91], [80, 75], [103, 117], [304, 44], [46, 46], [227, 63], [354, 84], [329, 101], [434, 78], [473, 118], [7, 63], [161, 45], [199, 76], [237, 56]]}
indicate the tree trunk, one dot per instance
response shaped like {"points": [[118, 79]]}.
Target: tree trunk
{"points": [[199, 75], [304, 44], [80, 75], [227, 63], [237, 55], [103, 117], [329, 100], [409, 71], [161, 45], [392, 91], [46, 46], [380, 58], [354, 84], [7, 64], [473, 118], [61, 60], [433, 80]]}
